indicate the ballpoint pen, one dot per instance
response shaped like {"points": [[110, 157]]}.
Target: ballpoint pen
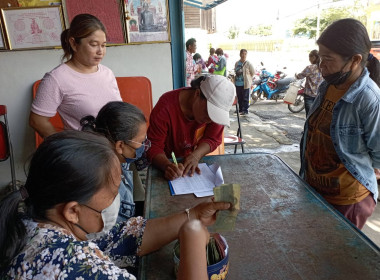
{"points": [[174, 159]]}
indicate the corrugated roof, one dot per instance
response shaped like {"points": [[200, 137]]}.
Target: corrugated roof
{"points": [[203, 4]]}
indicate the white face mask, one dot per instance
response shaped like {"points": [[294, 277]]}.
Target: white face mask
{"points": [[109, 217]]}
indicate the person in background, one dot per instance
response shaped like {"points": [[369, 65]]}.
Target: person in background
{"points": [[340, 147], [314, 78], [212, 61], [199, 61], [221, 65], [65, 205], [81, 85], [190, 123], [125, 126], [191, 67], [244, 73]]}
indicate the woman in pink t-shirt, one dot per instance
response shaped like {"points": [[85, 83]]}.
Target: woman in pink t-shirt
{"points": [[81, 85]]}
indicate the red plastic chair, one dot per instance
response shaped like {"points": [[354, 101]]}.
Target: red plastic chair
{"points": [[6, 150]]}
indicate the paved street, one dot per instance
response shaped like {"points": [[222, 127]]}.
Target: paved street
{"points": [[271, 127]]}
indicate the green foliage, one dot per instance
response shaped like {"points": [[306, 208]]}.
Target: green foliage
{"points": [[233, 32], [260, 30], [307, 27]]}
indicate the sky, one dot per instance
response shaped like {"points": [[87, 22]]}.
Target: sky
{"points": [[246, 13]]}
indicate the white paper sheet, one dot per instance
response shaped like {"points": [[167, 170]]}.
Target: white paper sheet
{"points": [[201, 185]]}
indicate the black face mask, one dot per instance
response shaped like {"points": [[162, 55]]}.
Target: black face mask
{"points": [[337, 78]]}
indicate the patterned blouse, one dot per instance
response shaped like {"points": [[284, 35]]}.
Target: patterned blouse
{"points": [[191, 68], [52, 252], [313, 79]]}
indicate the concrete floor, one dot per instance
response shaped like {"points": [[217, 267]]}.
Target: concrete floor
{"points": [[271, 127]]}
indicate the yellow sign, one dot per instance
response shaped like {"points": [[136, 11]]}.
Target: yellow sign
{"points": [[37, 3]]}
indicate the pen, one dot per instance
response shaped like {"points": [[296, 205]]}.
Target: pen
{"points": [[174, 159]]}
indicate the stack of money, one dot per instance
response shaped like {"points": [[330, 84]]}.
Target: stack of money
{"points": [[226, 219]]}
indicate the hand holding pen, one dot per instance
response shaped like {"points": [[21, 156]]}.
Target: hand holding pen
{"points": [[174, 170]]}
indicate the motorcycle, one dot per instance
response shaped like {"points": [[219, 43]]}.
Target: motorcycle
{"points": [[271, 89]]}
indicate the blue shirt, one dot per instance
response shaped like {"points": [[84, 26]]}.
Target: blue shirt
{"points": [[354, 130], [127, 206], [239, 78]]}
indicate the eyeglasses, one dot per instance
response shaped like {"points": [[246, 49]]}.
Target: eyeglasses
{"points": [[146, 143]]}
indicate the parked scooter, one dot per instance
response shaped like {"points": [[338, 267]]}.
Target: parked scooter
{"points": [[271, 89], [297, 104]]}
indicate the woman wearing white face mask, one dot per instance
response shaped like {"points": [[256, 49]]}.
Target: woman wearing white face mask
{"points": [[125, 126], [71, 192]]}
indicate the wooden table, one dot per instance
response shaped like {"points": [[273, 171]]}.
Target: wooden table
{"points": [[283, 231]]}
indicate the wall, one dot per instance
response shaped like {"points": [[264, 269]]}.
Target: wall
{"points": [[19, 70]]}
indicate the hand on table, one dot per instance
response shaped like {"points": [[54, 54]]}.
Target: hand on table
{"points": [[191, 165], [173, 171], [206, 211]]}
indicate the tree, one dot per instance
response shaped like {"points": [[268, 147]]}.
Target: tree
{"points": [[233, 32], [260, 30], [308, 26]]}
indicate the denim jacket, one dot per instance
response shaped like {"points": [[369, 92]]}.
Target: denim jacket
{"points": [[127, 206], [354, 130]]}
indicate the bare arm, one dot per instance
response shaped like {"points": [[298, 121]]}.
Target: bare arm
{"points": [[377, 173], [191, 161], [41, 124], [161, 231], [193, 239]]}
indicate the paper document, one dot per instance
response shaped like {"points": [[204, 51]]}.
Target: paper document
{"points": [[199, 184]]}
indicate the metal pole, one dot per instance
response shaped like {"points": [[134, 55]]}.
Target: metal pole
{"points": [[318, 20]]}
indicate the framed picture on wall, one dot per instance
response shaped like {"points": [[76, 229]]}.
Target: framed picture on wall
{"points": [[148, 21], [32, 28], [109, 12]]}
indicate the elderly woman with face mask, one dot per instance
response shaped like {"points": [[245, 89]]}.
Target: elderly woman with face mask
{"points": [[340, 148], [67, 228]]}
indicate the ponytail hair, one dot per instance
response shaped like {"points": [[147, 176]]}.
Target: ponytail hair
{"points": [[82, 26], [12, 229], [117, 121], [67, 166], [373, 67]]}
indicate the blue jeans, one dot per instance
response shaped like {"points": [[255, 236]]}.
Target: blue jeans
{"points": [[243, 98], [308, 102]]}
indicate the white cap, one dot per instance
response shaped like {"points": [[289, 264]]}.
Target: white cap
{"points": [[220, 94]]}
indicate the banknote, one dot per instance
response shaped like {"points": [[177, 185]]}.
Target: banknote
{"points": [[226, 219]]}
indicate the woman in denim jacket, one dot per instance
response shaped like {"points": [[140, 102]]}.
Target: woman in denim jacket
{"points": [[340, 148], [125, 126]]}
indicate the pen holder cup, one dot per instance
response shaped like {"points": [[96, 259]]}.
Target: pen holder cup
{"points": [[215, 271]]}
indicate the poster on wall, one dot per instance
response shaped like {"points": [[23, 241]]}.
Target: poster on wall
{"points": [[108, 12], [148, 21], [37, 3], [29, 28]]}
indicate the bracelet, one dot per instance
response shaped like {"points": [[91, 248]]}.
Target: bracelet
{"points": [[187, 210]]}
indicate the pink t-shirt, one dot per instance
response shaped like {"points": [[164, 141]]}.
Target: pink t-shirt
{"points": [[74, 95]]}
